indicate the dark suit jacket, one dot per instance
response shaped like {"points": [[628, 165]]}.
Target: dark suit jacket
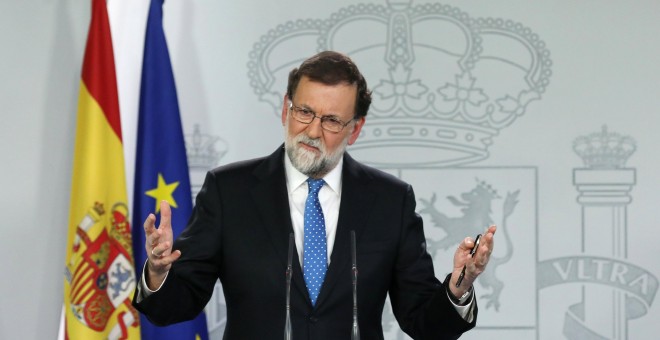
{"points": [[239, 233]]}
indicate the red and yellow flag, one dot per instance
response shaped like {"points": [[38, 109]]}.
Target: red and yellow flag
{"points": [[99, 276]]}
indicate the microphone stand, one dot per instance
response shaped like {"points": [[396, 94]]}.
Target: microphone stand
{"points": [[355, 332], [287, 325]]}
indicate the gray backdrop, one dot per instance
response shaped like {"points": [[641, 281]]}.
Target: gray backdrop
{"points": [[537, 116]]}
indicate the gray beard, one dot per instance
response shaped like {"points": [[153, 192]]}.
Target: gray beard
{"points": [[307, 161]]}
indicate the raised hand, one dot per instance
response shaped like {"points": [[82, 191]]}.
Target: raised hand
{"points": [[158, 246], [475, 265]]}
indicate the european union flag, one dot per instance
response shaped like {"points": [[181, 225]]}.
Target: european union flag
{"points": [[161, 166]]}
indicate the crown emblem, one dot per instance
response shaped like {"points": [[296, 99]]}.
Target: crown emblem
{"points": [[202, 151], [604, 150], [443, 83]]}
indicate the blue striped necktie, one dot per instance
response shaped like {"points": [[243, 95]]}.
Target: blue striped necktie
{"points": [[315, 258]]}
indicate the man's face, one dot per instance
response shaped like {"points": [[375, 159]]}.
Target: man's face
{"points": [[313, 150]]}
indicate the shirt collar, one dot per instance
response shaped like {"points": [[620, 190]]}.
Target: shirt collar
{"points": [[295, 178]]}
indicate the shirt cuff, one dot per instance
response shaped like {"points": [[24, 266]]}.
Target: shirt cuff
{"points": [[143, 289], [465, 305]]}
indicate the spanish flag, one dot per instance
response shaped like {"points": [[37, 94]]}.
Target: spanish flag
{"points": [[99, 270]]}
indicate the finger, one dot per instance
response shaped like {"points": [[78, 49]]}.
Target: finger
{"points": [[165, 215], [174, 256], [490, 238], [151, 233], [482, 255], [157, 253], [152, 241], [490, 232], [467, 244], [149, 224], [163, 265], [166, 260], [161, 249]]}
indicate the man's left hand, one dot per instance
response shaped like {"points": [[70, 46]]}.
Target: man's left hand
{"points": [[475, 265]]}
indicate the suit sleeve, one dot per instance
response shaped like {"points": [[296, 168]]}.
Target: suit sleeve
{"points": [[190, 281], [419, 301]]}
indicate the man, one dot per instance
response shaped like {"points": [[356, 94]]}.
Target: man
{"points": [[310, 187]]}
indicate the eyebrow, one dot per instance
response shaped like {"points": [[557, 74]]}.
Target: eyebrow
{"points": [[329, 115]]}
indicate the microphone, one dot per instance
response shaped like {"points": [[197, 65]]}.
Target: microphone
{"points": [[355, 333], [287, 324]]}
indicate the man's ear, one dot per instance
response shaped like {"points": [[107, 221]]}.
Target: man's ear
{"points": [[285, 108], [356, 130]]}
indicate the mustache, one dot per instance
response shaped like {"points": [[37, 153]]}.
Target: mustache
{"points": [[303, 138]]}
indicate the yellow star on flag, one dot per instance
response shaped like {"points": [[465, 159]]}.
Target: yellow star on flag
{"points": [[163, 192]]}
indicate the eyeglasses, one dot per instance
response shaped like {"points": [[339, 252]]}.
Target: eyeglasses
{"points": [[306, 116]]}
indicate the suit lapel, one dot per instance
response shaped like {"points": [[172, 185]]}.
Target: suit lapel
{"points": [[272, 201], [356, 201]]}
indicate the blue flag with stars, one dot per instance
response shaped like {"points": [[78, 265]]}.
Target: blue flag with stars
{"points": [[161, 166]]}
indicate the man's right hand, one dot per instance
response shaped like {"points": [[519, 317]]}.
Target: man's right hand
{"points": [[159, 246]]}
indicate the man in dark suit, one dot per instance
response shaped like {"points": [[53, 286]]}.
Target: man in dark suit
{"points": [[245, 212]]}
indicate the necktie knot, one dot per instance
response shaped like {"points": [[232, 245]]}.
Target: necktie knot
{"points": [[315, 185]]}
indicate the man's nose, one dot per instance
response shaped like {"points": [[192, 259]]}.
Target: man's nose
{"points": [[314, 129]]}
